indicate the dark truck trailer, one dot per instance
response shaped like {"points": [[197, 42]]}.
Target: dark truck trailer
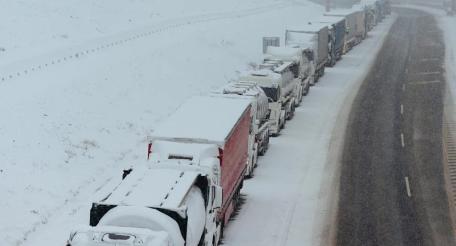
{"points": [[356, 26], [337, 30]]}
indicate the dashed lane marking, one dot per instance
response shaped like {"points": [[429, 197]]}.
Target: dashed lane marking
{"points": [[402, 109], [429, 59], [425, 82], [407, 186], [428, 73], [402, 140]]}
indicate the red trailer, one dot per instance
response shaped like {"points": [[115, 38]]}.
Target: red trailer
{"points": [[212, 132]]}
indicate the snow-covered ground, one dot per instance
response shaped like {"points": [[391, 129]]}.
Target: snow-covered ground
{"points": [[448, 24], [82, 83]]}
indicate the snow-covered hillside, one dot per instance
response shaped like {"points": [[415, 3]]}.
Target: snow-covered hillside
{"points": [[35, 27], [84, 82]]}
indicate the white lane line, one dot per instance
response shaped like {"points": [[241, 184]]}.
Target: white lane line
{"points": [[425, 82], [402, 140], [407, 186], [403, 87], [427, 73], [402, 109], [406, 71], [429, 59]]}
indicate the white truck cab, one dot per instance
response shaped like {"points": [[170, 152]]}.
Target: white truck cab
{"points": [[173, 200], [302, 67], [279, 93]]}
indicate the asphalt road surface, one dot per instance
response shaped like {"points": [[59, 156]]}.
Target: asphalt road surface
{"points": [[392, 187]]}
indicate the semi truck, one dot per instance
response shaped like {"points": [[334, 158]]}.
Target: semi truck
{"points": [[337, 30], [280, 93], [289, 71], [302, 59], [356, 26], [189, 187], [259, 132], [371, 13], [313, 35]]}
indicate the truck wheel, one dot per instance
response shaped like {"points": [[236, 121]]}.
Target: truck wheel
{"points": [[251, 167], [255, 157], [265, 143], [316, 77], [222, 227], [282, 125], [306, 90], [291, 113]]}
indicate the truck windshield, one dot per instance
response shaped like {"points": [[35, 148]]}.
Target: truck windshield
{"points": [[115, 237], [271, 93]]}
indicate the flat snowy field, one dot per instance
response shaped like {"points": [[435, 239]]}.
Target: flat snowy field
{"points": [[83, 83]]}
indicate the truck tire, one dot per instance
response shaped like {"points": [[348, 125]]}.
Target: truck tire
{"points": [[316, 77], [201, 241], [306, 89], [291, 112], [251, 168], [264, 144]]}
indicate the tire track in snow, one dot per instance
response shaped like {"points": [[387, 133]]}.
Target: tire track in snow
{"points": [[13, 71]]}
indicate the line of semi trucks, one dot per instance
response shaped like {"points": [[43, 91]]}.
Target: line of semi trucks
{"points": [[197, 159]]}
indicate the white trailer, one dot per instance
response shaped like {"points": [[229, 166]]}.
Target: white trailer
{"points": [[303, 66], [371, 13], [280, 93], [314, 35], [259, 132]]}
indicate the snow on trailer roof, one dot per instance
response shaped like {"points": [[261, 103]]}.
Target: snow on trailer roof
{"points": [[341, 12], [331, 19], [153, 187], [260, 73], [367, 2], [282, 67], [307, 27], [297, 39], [245, 88], [202, 119], [283, 52], [263, 77]]}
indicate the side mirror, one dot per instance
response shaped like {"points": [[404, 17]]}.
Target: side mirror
{"points": [[218, 198]]}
